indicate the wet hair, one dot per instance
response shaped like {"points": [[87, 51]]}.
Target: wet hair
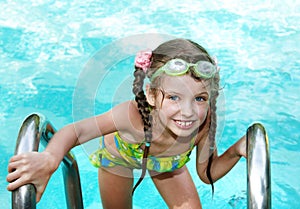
{"points": [[190, 52]]}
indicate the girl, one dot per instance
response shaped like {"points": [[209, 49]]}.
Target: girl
{"points": [[156, 132]]}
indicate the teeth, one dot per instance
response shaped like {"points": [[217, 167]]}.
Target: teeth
{"points": [[182, 123]]}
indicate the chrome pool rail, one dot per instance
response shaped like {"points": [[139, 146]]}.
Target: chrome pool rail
{"points": [[258, 168], [36, 129]]}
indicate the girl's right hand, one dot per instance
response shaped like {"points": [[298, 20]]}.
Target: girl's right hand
{"points": [[240, 147], [31, 168]]}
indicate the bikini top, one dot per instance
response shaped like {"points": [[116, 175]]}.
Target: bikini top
{"points": [[133, 154]]}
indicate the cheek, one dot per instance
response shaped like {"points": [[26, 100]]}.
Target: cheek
{"points": [[167, 111], [168, 106], [202, 114]]}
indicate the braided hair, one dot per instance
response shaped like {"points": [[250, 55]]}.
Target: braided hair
{"points": [[190, 52], [144, 110]]}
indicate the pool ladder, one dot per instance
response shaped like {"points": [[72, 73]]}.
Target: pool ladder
{"points": [[258, 168], [36, 129]]}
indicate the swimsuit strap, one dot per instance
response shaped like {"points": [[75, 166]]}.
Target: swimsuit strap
{"points": [[192, 145]]}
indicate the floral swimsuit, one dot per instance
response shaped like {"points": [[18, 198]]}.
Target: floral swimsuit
{"points": [[132, 155]]}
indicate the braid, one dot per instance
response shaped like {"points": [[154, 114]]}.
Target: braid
{"points": [[144, 109], [213, 126]]}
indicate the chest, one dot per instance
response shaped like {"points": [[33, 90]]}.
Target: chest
{"points": [[161, 145], [164, 147]]}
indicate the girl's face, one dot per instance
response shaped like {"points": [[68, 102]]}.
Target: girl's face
{"points": [[182, 104]]}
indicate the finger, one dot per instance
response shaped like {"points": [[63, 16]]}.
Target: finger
{"points": [[39, 191], [21, 161], [16, 158], [16, 184], [38, 196], [13, 166], [21, 156], [13, 176]]}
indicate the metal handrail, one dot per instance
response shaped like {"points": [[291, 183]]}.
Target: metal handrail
{"points": [[36, 129], [258, 168]]}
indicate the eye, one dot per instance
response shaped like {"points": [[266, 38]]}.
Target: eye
{"points": [[200, 99], [173, 97]]}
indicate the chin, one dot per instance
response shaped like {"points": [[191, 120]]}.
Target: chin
{"points": [[183, 133]]}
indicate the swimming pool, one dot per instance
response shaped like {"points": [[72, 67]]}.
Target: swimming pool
{"points": [[45, 45]]}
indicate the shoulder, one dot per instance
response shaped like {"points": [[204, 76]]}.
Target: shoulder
{"points": [[125, 110], [126, 117]]}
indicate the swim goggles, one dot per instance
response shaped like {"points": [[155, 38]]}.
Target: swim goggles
{"points": [[176, 67]]}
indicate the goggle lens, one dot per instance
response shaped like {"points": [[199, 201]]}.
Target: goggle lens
{"points": [[175, 67], [205, 69]]}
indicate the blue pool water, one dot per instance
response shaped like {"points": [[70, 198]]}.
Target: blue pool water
{"points": [[45, 45]]}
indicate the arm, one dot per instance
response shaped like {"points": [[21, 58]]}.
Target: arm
{"points": [[37, 168], [119, 118], [222, 164], [78, 133]]}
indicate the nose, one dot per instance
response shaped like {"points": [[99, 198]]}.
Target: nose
{"points": [[187, 110]]}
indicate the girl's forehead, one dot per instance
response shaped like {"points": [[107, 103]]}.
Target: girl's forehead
{"points": [[185, 83]]}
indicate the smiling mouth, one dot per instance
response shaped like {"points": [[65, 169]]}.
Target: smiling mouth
{"points": [[184, 124]]}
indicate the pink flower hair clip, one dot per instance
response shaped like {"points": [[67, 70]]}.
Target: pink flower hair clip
{"points": [[143, 59]]}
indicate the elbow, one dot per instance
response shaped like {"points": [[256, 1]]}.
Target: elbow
{"points": [[204, 177], [205, 180]]}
